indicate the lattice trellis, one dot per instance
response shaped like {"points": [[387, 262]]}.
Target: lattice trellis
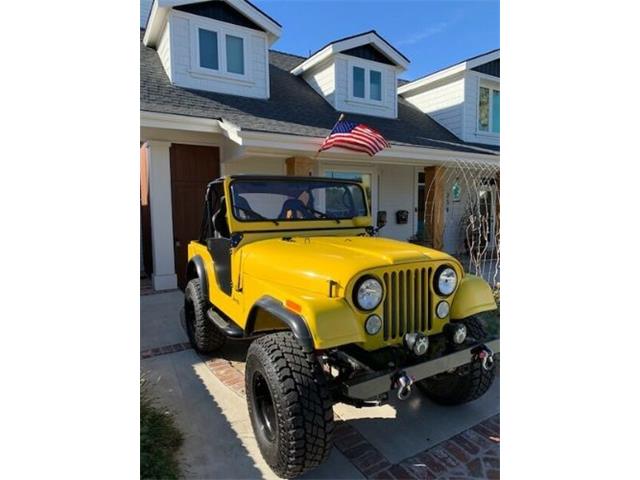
{"points": [[463, 206]]}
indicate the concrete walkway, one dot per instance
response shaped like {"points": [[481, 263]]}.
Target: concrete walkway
{"points": [[391, 441]]}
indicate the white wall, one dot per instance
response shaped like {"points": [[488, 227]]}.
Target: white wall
{"points": [[164, 50], [473, 81], [322, 79], [443, 101], [396, 191], [332, 79], [388, 108], [185, 63]]}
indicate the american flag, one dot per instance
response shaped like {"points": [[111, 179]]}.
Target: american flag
{"points": [[355, 136]]}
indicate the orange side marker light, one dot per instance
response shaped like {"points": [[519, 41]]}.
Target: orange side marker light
{"points": [[293, 306]]}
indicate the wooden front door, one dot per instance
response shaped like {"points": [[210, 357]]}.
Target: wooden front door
{"points": [[192, 168]]}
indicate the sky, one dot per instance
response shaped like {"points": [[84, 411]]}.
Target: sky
{"points": [[432, 34]]}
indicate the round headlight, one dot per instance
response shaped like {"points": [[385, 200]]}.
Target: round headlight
{"points": [[373, 324], [446, 281], [367, 293], [442, 309]]}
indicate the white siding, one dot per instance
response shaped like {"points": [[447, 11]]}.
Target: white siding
{"points": [[387, 108], [397, 185], [184, 62], [442, 101], [470, 133], [323, 80], [164, 50], [332, 81]]}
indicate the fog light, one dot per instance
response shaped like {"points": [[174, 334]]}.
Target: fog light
{"points": [[373, 324], [417, 342], [459, 334], [442, 310]]}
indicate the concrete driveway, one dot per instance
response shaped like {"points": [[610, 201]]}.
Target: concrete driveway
{"points": [[411, 439]]}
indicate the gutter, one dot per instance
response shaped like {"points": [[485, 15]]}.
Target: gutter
{"points": [[259, 142]]}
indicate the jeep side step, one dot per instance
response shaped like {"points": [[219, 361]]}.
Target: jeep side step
{"points": [[228, 328]]}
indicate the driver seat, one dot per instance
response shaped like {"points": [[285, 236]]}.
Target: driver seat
{"points": [[294, 205]]}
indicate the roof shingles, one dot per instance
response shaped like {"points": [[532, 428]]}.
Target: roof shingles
{"points": [[293, 107]]}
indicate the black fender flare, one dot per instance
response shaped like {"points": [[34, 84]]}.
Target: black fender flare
{"points": [[294, 321], [197, 264]]}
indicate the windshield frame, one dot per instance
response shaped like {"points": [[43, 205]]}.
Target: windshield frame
{"points": [[276, 221]]}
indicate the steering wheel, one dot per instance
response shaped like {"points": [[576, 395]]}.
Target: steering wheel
{"points": [[294, 206]]}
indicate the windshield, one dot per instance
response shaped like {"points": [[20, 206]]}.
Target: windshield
{"points": [[259, 200]]}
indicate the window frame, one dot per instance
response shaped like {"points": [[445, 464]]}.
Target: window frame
{"points": [[367, 67], [327, 167], [222, 31], [490, 131]]}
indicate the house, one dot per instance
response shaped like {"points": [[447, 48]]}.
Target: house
{"points": [[217, 99], [464, 98]]}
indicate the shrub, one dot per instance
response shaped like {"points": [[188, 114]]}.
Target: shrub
{"points": [[160, 439]]}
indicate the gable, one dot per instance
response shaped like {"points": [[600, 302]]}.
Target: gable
{"points": [[490, 68], [219, 10], [368, 52]]}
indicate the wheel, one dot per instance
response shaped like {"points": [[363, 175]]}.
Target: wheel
{"points": [[203, 334], [289, 405], [465, 383]]}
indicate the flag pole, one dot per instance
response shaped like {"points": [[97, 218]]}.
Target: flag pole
{"points": [[315, 157]]}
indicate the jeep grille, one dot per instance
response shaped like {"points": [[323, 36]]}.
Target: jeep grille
{"points": [[407, 304]]}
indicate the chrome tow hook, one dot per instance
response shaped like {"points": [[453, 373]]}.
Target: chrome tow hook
{"points": [[485, 355], [404, 383]]}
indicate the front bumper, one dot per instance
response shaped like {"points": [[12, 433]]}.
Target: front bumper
{"points": [[369, 386]]}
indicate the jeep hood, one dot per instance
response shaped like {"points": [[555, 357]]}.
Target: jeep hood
{"points": [[310, 262]]}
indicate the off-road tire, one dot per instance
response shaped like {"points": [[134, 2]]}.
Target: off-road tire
{"points": [[465, 383], [204, 336], [298, 435]]}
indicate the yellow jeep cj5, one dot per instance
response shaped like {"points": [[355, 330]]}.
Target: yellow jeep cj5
{"points": [[338, 314]]}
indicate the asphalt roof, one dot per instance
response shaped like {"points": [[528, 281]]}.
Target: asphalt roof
{"points": [[293, 108]]}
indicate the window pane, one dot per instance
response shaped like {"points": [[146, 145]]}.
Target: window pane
{"points": [[235, 55], [364, 178], [495, 112], [375, 79], [483, 110], [358, 82], [208, 48]]}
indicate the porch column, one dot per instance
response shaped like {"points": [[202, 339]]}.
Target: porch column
{"points": [[434, 206], [164, 275], [301, 166]]}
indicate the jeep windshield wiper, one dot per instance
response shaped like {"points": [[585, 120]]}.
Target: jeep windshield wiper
{"points": [[254, 214], [322, 214]]}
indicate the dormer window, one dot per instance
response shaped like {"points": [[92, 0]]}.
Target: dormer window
{"points": [[489, 110], [366, 83], [208, 42], [219, 46], [235, 54], [356, 74], [217, 51]]}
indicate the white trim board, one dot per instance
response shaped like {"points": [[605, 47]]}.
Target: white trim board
{"points": [[257, 142], [447, 72], [340, 46], [160, 9]]}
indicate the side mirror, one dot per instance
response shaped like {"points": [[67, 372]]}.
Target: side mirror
{"points": [[382, 219]]}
